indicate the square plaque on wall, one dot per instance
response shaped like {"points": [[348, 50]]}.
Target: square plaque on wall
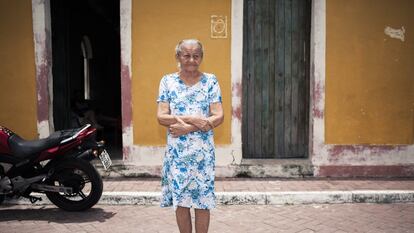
{"points": [[218, 26]]}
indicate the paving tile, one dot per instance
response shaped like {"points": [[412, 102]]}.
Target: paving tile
{"points": [[247, 218]]}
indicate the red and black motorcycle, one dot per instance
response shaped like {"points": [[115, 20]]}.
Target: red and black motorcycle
{"points": [[58, 166]]}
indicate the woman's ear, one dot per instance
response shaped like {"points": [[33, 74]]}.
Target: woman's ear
{"points": [[178, 61]]}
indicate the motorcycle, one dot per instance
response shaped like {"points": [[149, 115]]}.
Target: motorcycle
{"points": [[58, 166]]}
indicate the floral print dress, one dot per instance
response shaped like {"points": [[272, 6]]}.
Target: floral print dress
{"points": [[188, 168]]}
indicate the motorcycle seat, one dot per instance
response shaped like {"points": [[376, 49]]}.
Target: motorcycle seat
{"points": [[23, 148]]}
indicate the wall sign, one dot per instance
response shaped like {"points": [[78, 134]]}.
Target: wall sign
{"points": [[218, 26]]}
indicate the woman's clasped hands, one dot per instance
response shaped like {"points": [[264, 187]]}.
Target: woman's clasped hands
{"points": [[184, 125]]}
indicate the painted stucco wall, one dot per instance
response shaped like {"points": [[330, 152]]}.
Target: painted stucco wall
{"points": [[157, 26], [369, 72], [17, 68], [325, 159]]}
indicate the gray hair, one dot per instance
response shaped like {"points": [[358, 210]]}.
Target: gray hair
{"points": [[179, 47]]}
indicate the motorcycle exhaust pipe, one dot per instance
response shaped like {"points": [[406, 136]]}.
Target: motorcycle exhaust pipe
{"points": [[89, 154], [86, 155], [51, 188]]}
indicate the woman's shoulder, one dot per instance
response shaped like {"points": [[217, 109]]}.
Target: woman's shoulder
{"points": [[209, 75], [211, 78], [168, 78]]}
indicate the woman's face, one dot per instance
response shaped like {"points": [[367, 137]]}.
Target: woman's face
{"points": [[190, 58]]}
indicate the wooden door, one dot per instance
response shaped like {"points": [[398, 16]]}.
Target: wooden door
{"points": [[275, 100]]}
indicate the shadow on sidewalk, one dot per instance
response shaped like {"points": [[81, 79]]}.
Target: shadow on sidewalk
{"points": [[52, 214]]}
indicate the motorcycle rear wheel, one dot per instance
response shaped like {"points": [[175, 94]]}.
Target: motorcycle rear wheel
{"points": [[82, 177]]}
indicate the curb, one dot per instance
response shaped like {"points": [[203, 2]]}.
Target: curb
{"points": [[256, 198]]}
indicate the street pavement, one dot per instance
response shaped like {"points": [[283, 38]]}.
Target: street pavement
{"points": [[245, 205], [375, 218]]}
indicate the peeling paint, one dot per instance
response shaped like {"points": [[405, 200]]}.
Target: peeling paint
{"points": [[43, 62], [366, 171], [318, 113], [126, 96], [337, 150], [126, 76], [362, 155], [236, 105], [237, 89], [318, 100], [43, 55], [237, 113], [126, 151], [127, 142], [127, 136], [42, 71], [395, 33], [318, 59], [43, 129]]}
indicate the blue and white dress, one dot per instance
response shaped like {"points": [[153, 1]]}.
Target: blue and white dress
{"points": [[188, 169]]}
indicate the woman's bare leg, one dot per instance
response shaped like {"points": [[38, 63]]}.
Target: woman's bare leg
{"points": [[183, 217], [202, 220]]}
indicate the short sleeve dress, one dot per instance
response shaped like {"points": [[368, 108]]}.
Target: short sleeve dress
{"points": [[188, 169]]}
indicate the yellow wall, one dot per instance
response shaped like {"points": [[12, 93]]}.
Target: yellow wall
{"points": [[157, 26], [17, 68], [369, 75]]}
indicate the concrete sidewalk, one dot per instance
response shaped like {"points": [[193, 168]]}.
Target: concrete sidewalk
{"points": [[269, 191]]}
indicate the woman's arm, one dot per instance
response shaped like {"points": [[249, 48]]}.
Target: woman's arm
{"points": [[216, 115], [207, 123], [181, 128], [163, 114], [176, 126]]}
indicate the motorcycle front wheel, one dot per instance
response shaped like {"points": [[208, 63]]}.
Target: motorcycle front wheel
{"points": [[83, 178]]}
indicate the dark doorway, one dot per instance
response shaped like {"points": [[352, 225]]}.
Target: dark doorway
{"points": [[86, 67], [276, 78]]}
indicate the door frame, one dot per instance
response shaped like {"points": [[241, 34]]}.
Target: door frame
{"points": [[42, 36]]}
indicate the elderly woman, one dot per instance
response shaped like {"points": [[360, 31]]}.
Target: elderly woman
{"points": [[189, 105]]}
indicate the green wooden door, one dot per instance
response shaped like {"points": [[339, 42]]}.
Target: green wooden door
{"points": [[275, 100]]}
